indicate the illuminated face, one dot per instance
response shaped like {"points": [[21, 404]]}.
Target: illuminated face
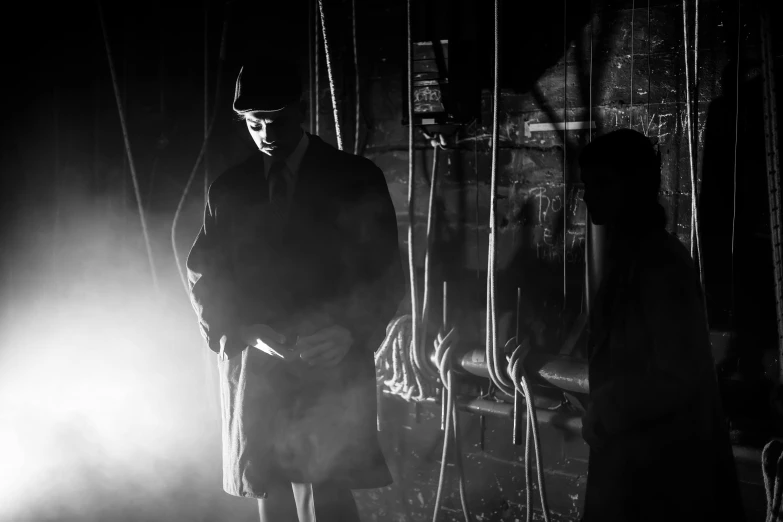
{"points": [[606, 195], [276, 133]]}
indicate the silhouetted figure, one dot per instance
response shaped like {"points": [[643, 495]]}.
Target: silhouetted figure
{"points": [[294, 276], [659, 448]]}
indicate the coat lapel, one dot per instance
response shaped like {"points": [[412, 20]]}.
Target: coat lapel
{"points": [[614, 288], [308, 174]]}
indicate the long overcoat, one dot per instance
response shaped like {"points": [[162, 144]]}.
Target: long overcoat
{"points": [[334, 259], [663, 451]]}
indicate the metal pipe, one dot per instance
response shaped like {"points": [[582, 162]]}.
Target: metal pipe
{"points": [[566, 373], [594, 259], [570, 422]]}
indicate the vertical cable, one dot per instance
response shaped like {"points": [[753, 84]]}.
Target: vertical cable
{"points": [[412, 195], [58, 181], [588, 239], [736, 141], [497, 377], [162, 69], [337, 131], [317, 95], [206, 97], [590, 89], [491, 335], [478, 236], [310, 65], [696, 80], [649, 58], [688, 113], [425, 306], [565, 151], [128, 148], [356, 71], [630, 111], [193, 172], [696, 184]]}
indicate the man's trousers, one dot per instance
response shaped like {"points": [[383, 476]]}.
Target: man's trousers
{"points": [[304, 502]]}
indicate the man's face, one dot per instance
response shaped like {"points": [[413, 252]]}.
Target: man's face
{"points": [[606, 195], [277, 133]]}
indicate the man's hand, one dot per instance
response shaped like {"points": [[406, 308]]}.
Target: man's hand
{"points": [[265, 339], [326, 347]]}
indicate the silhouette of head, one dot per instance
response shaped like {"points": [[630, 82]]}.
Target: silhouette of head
{"points": [[622, 176], [268, 98]]}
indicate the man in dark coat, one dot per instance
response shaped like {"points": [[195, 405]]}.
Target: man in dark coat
{"points": [[294, 276], [659, 447]]}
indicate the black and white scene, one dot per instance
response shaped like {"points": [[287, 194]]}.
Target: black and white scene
{"points": [[391, 261]]}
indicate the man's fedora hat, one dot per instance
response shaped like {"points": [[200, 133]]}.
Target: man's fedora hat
{"points": [[267, 86]]}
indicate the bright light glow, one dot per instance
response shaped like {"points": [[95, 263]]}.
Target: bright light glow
{"points": [[106, 409]]}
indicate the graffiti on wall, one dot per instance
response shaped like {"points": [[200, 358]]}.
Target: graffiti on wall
{"points": [[664, 123], [547, 214]]}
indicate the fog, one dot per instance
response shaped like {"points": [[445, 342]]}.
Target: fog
{"points": [[108, 403]]}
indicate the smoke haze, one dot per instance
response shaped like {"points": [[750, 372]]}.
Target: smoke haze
{"points": [[107, 411]]}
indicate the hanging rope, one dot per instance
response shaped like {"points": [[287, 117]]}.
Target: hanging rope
{"points": [[630, 110], [356, 71], [588, 235], [206, 97], [437, 142], [521, 385], [337, 131], [496, 376], [772, 470], [412, 197], [317, 93], [412, 375], [773, 169], [508, 384], [565, 151], [403, 337], [688, 112], [590, 80], [445, 347], [310, 66], [695, 110], [692, 145], [403, 352], [124, 126], [202, 152], [696, 219], [736, 142], [649, 66], [392, 358]]}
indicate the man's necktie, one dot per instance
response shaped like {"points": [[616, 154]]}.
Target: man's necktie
{"points": [[278, 190], [278, 187]]}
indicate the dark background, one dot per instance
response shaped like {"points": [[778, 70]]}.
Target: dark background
{"points": [[108, 404]]}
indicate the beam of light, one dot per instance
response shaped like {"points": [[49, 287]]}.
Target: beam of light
{"points": [[103, 398]]}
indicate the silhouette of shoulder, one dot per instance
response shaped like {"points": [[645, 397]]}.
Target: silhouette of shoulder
{"points": [[236, 178], [665, 265]]}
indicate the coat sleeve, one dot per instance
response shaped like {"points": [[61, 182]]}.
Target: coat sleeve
{"points": [[680, 362], [212, 286], [375, 284]]}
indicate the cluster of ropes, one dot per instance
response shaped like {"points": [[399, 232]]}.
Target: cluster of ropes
{"points": [[403, 356]]}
